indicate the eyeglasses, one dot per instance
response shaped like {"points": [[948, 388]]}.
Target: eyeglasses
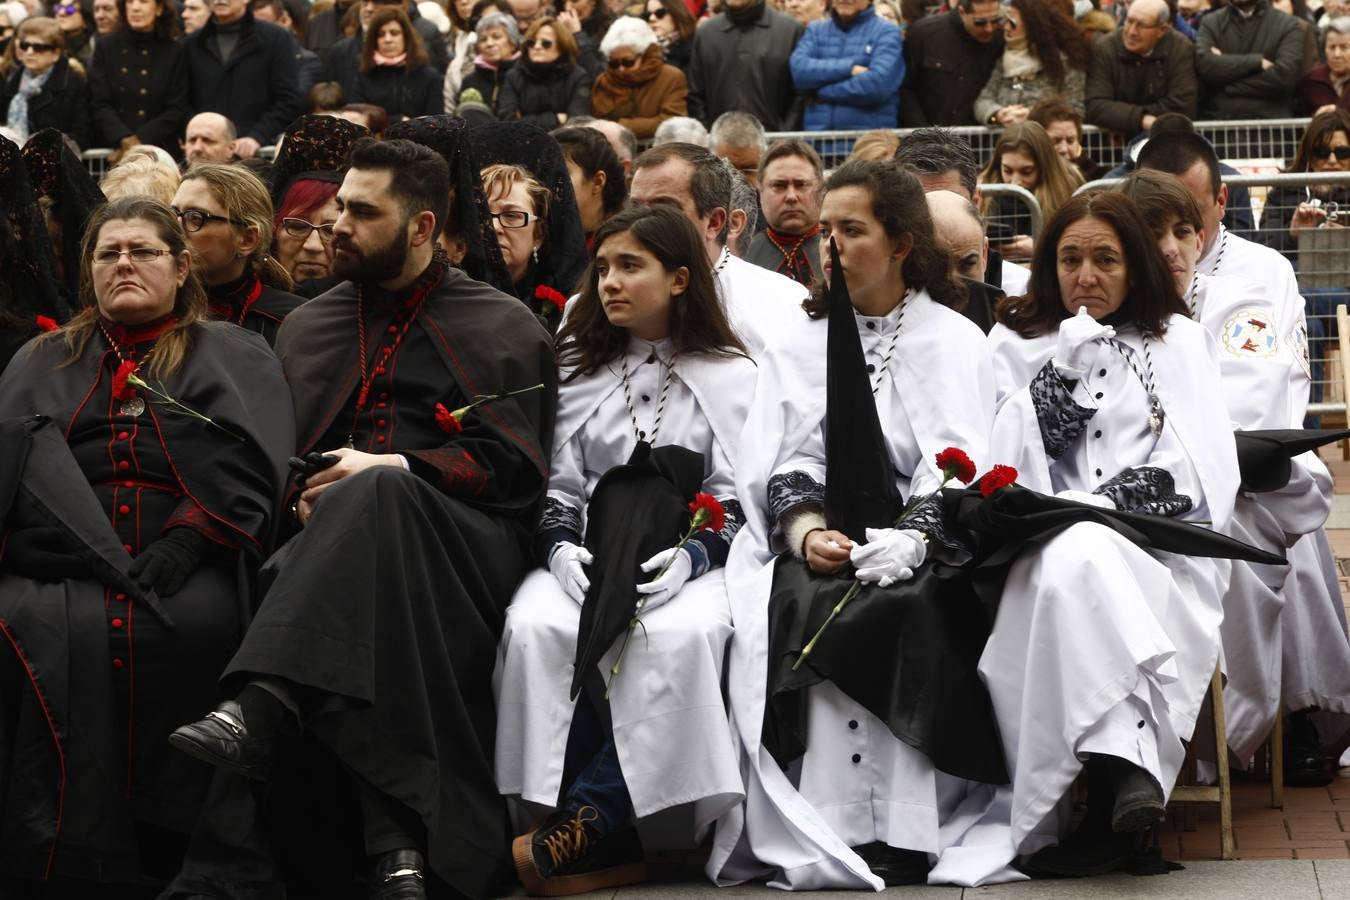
{"points": [[542, 43], [1342, 153], [300, 229], [67, 9], [985, 23], [514, 218], [628, 63], [139, 256], [196, 219], [29, 46], [658, 14], [6, 30]]}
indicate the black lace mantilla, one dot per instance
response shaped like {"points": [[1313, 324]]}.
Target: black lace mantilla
{"points": [[1061, 419], [1147, 490], [791, 490]]}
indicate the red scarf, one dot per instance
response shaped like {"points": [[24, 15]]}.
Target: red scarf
{"points": [[797, 263]]}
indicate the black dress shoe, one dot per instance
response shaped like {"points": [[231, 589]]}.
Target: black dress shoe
{"points": [[895, 866], [222, 739], [1305, 765], [1139, 802], [398, 876], [1086, 853]]}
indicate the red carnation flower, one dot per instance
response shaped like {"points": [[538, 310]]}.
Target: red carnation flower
{"points": [[997, 477], [707, 513], [954, 463], [46, 323], [447, 420], [120, 389], [549, 295]]}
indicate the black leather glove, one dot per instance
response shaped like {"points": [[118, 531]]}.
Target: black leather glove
{"points": [[166, 564], [310, 464], [43, 553]]}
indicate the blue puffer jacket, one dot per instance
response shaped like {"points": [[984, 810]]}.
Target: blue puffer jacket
{"points": [[822, 66]]}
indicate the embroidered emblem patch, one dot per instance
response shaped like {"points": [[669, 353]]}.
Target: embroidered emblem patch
{"points": [[1298, 341], [1251, 332]]}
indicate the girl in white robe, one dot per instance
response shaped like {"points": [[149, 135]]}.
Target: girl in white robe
{"points": [[648, 357], [1101, 652], [860, 808]]}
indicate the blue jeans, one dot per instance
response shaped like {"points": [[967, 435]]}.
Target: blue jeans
{"points": [[599, 780]]}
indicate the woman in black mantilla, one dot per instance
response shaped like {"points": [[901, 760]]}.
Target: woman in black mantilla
{"points": [[68, 195], [128, 554], [228, 219], [31, 299], [303, 182], [561, 256], [468, 235]]}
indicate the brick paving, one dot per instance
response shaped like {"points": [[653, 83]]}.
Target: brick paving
{"points": [[1315, 822]]}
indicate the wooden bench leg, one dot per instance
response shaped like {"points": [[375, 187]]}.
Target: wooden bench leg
{"points": [[1221, 759], [1277, 763]]}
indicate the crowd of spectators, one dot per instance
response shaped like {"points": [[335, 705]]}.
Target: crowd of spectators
{"points": [[117, 73]]}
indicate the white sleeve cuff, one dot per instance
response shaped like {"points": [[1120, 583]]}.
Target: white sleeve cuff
{"points": [[798, 525]]}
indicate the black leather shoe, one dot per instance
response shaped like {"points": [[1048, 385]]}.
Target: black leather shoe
{"points": [[398, 876], [1139, 802], [222, 739], [1305, 765], [1086, 853], [893, 865]]}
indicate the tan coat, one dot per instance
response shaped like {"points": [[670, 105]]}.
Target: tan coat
{"points": [[641, 99]]}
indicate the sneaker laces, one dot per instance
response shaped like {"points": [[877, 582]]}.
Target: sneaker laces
{"points": [[570, 839]]}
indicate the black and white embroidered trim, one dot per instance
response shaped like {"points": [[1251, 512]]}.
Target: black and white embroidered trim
{"points": [[559, 515], [1061, 419], [790, 490], [1147, 490], [735, 516]]}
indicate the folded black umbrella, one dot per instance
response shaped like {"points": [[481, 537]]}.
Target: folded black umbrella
{"points": [[1264, 456], [636, 510], [1015, 518]]}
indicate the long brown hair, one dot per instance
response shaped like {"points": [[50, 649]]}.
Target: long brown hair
{"points": [[189, 304], [1054, 37], [899, 205], [697, 322], [1056, 177], [244, 198], [1150, 298], [412, 41]]}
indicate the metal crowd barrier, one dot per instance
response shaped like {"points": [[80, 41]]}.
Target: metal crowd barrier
{"points": [[1236, 139], [1321, 257], [1014, 208], [96, 160]]}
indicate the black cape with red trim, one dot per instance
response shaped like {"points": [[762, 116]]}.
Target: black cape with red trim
{"points": [[386, 608], [70, 788]]}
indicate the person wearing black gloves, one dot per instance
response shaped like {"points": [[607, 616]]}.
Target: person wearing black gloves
{"points": [[129, 543]]}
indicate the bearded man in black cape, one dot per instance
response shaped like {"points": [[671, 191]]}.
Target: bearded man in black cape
{"points": [[379, 621]]}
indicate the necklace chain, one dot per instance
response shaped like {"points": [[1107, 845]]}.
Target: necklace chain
{"points": [[1223, 245], [890, 346], [1155, 410], [722, 261], [660, 401]]}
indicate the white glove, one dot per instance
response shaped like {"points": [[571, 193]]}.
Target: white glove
{"points": [[660, 590], [1074, 350], [566, 564], [889, 555], [1084, 497]]}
